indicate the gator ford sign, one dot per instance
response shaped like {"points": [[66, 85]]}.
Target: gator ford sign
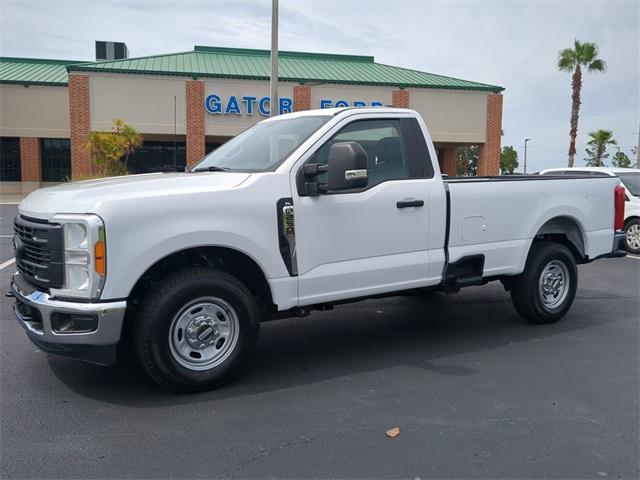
{"points": [[251, 105]]}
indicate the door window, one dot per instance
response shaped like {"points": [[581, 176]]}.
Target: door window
{"points": [[383, 142]]}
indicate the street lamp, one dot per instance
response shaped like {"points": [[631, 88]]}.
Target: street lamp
{"points": [[525, 154]]}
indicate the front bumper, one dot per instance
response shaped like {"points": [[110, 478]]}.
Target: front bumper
{"points": [[34, 311]]}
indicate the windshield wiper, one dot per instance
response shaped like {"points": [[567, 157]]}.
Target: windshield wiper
{"points": [[212, 168]]}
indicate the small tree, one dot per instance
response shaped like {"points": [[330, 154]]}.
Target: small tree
{"points": [[508, 160], [467, 161], [620, 159], [109, 148], [597, 147]]}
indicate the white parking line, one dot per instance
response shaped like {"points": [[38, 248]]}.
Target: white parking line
{"points": [[631, 256], [7, 263], [6, 236]]}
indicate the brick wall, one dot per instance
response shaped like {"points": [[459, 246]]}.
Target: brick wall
{"points": [[400, 98], [80, 125], [301, 98], [448, 160], [30, 159], [489, 152], [195, 121]]}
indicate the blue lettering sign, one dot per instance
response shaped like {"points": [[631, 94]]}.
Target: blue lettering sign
{"points": [[248, 104], [262, 106], [250, 101], [232, 106], [212, 104], [286, 105]]}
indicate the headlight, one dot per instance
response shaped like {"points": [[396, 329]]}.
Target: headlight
{"points": [[84, 256]]}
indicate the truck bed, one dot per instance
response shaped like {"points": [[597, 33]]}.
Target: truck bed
{"points": [[499, 217]]}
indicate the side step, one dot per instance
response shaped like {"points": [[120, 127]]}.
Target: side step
{"points": [[464, 273]]}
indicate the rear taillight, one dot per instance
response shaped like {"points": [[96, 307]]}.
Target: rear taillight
{"points": [[618, 199]]}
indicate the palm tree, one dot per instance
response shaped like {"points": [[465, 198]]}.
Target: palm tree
{"points": [[598, 143], [574, 59]]}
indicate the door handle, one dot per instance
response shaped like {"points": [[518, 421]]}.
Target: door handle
{"points": [[410, 203]]}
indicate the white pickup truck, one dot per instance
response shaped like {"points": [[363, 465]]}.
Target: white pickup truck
{"points": [[300, 212]]}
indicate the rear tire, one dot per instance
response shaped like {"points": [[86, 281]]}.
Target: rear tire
{"points": [[632, 236], [195, 330], [544, 291]]}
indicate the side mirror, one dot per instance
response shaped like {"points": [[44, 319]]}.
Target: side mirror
{"points": [[347, 166]]}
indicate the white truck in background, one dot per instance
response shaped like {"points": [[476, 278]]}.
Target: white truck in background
{"points": [[300, 212]]}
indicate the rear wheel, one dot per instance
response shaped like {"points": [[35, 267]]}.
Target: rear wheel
{"points": [[196, 329], [545, 290], [632, 236]]}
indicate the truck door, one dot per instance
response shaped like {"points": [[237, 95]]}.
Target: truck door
{"points": [[373, 239]]}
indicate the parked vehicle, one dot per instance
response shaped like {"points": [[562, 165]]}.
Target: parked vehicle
{"points": [[300, 212], [630, 180]]}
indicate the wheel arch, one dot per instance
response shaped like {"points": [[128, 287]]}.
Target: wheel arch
{"points": [[630, 218], [565, 230], [230, 260]]}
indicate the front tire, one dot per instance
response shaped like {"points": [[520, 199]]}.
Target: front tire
{"points": [[544, 291], [196, 329], [632, 236]]}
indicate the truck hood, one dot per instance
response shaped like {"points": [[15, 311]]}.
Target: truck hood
{"points": [[87, 196]]}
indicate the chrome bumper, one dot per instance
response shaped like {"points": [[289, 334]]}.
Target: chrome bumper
{"points": [[97, 346]]}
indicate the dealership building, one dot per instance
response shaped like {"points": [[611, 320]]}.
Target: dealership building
{"points": [[186, 104]]}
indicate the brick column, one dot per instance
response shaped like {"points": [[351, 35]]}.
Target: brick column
{"points": [[448, 160], [195, 121], [489, 152], [301, 98], [30, 159], [80, 125], [400, 98]]}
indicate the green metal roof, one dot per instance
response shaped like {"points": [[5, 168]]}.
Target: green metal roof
{"points": [[34, 71], [299, 67]]}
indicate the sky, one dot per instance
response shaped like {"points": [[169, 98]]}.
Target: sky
{"points": [[513, 44]]}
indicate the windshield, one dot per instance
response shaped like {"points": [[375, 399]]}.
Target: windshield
{"points": [[263, 147], [632, 182]]}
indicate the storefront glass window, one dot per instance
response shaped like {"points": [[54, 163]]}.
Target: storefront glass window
{"points": [[10, 159], [56, 159], [158, 157]]}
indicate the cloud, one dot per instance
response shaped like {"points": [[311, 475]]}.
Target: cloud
{"points": [[508, 43]]}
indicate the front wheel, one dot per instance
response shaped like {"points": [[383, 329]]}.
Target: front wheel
{"points": [[545, 290], [196, 329], [632, 236]]}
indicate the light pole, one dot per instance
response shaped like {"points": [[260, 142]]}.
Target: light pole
{"points": [[273, 101], [525, 154]]}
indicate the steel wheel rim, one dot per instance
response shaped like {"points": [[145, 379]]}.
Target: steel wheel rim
{"points": [[554, 283], [204, 333], [633, 236]]}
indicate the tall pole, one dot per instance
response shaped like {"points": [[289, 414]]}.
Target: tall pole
{"points": [[638, 148], [525, 154], [175, 133], [274, 101]]}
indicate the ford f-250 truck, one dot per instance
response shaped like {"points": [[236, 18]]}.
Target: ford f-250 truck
{"points": [[300, 212]]}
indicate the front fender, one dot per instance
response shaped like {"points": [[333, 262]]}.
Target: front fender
{"points": [[121, 282]]}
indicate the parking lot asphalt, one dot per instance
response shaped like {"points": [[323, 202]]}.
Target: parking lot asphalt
{"points": [[7, 212], [475, 390]]}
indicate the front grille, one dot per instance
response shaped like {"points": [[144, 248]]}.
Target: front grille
{"points": [[39, 251]]}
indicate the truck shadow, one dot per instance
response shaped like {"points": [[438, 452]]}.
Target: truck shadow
{"points": [[415, 332]]}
